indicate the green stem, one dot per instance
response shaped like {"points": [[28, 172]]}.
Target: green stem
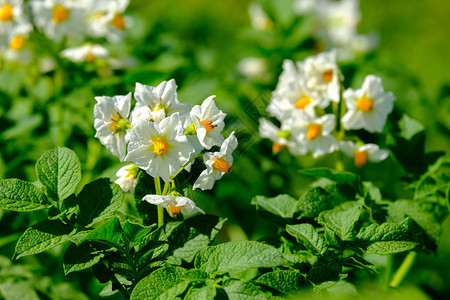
{"points": [[403, 271], [389, 269], [160, 209]]}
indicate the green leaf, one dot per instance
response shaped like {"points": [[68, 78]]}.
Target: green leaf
{"points": [[390, 247], [235, 256], [339, 177], [20, 290], [342, 219], [207, 292], [19, 195], [316, 200], [307, 235], [409, 127], [110, 233], [98, 201], [43, 236], [285, 281], [242, 290], [77, 258], [283, 206], [187, 238], [161, 284], [135, 232], [59, 170]]}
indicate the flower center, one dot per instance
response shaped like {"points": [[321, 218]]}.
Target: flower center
{"points": [[303, 102], [174, 210], [208, 125], [277, 148], [222, 165], [160, 147], [89, 58], [360, 158], [119, 124], [132, 171], [364, 104], [327, 76], [6, 13], [60, 14], [118, 22], [314, 131], [17, 42]]}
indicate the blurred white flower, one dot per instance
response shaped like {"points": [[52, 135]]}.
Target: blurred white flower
{"points": [[16, 40], [217, 164], [315, 134], [159, 148], [161, 98], [364, 153], [127, 177], [86, 53], [252, 67], [59, 18], [322, 76], [11, 14], [105, 19], [280, 137], [111, 123], [209, 122], [368, 107], [174, 204], [259, 18]]}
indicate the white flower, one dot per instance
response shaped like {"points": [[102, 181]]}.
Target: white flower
{"points": [[292, 94], [258, 17], [162, 97], [111, 123], [127, 177], [209, 122], [252, 67], [105, 19], [59, 18], [367, 152], [217, 164], [303, 7], [315, 134], [16, 40], [159, 148], [322, 76], [280, 137], [174, 204], [368, 107], [86, 53]]}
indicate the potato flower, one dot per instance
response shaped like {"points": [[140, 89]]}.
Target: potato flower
{"points": [[368, 107], [112, 124], [364, 153], [174, 204], [280, 137], [160, 149], [86, 53], [217, 164], [11, 14]]}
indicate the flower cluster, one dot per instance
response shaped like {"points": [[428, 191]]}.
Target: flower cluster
{"points": [[336, 23], [62, 20], [163, 136], [305, 89]]}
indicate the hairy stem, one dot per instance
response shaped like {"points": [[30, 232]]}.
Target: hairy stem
{"points": [[389, 269], [403, 271], [160, 209]]}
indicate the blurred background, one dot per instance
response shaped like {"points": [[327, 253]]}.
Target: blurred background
{"points": [[216, 48]]}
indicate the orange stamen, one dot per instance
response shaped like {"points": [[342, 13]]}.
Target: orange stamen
{"points": [[364, 104], [360, 158], [60, 14], [17, 42], [6, 13], [314, 131], [327, 76], [208, 125], [222, 165], [160, 147], [174, 210], [277, 148], [303, 102], [118, 22]]}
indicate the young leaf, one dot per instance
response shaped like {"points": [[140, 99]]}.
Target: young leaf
{"points": [[19, 195], [235, 256], [284, 281], [110, 233], [59, 170], [307, 235], [238, 289], [207, 292], [283, 206], [314, 201], [339, 177], [390, 247], [161, 284], [98, 201], [135, 232], [342, 219], [43, 236], [81, 257]]}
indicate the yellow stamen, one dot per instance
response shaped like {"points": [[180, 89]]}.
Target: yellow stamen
{"points": [[222, 165], [119, 124], [208, 125], [160, 147], [364, 104], [89, 58], [327, 76], [17, 42], [174, 210], [277, 148], [6, 13], [360, 158], [60, 14], [118, 22], [314, 131], [303, 102]]}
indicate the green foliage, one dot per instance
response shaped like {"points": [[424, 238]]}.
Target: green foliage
{"points": [[20, 195]]}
